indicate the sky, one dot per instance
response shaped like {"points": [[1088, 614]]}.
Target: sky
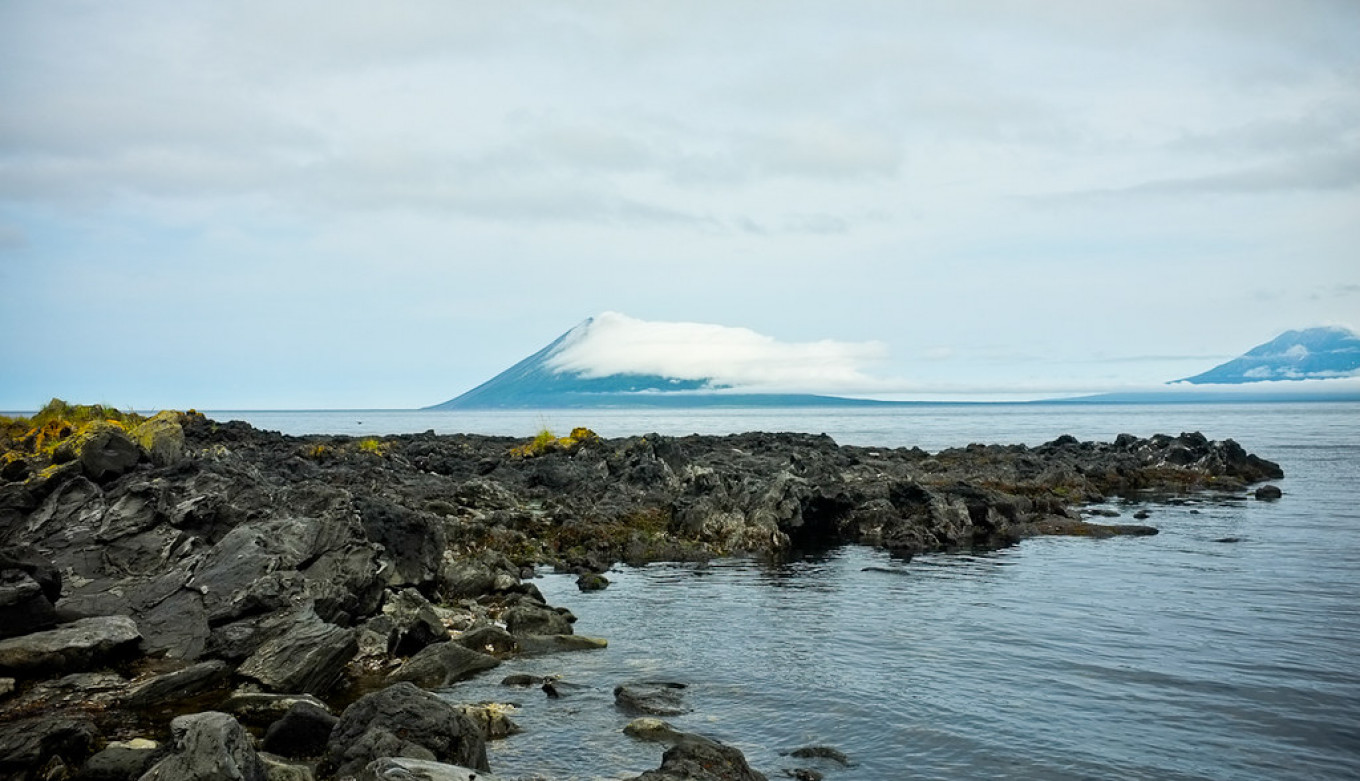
{"points": [[332, 204]]}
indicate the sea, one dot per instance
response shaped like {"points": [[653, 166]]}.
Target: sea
{"points": [[1225, 647]]}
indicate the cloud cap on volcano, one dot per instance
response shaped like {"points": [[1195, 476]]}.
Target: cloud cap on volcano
{"points": [[725, 356]]}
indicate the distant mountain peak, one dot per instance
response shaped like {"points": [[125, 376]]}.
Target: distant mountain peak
{"points": [[616, 360], [1310, 354]]}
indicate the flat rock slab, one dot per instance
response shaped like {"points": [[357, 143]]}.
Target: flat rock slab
{"points": [[551, 644], [656, 698], [308, 658], [404, 769], [79, 645], [177, 685]]}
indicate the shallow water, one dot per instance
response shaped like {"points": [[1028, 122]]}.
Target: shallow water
{"points": [[1167, 657]]}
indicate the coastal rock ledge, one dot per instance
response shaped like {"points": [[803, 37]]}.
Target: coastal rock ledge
{"points": [[183, 586]]}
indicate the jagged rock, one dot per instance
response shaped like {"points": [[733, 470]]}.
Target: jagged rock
{"points": [[413, 543], [406, 769], [442, 664], [279, 769], [415, 623], [696, 758], [532, 619], [23, 606], [28, 743], [657, 698], [209, 746], [98, 691], [402, 721], [302, 732], [307, 658], [79, 645], [177, 685]]}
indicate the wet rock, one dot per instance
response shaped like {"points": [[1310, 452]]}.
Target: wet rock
{"points": [[821, 752], [493, 719], [406, 769], [79, 645], [402, 721], [308, 658], [478, 575], [442, 664], [533, 619], [532, 645], [488, 640], [656, 698], [1268, 492], [27, 744], [522, 679], [86, 691], [1228, 539], [278, 768], [302, 732], [696, 758], [803, 774], [177, 685], [592, 581], [653, 730], [208, 745], [120, 761]]}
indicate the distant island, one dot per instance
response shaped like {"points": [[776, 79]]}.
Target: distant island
{"points": [[568, 374]]}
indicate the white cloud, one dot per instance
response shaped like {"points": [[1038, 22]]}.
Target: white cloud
{"points": [[613, 343]]}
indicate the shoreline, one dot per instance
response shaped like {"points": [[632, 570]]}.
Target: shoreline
{"points": [[204, 560]]}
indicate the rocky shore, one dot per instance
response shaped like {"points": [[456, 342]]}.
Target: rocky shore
{"points": [[187, 598]]}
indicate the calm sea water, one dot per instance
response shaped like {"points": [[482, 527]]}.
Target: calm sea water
{"points": [[1166, 657]]}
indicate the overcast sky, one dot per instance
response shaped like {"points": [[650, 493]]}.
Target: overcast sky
{"points": [[332, 204]]}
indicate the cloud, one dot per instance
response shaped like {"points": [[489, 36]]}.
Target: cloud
{"points": [[613, 343]]}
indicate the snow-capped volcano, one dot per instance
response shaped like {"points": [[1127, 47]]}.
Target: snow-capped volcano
{"points": [[1310, 354], [616, 360]]}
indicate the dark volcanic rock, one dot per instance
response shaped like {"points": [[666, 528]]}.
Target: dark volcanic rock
{"points": [[415, 624], [654, 698], [442, 664], [533, 619], [413, 543], [1268, 492], [302, 732], [28, 743], [177, 685], [696, 758], [406, 769], [402, 721], [306, 658], [78, 645], [489, 640], [120, 761], [210, 746]]}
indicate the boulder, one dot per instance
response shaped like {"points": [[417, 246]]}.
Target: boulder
{"points": [[307, 658], [405, 769], [1269, 492], [535, 619], [488, 640], [208, 746], [278, 768], [402, 721], [592, 581], [120, 760], [653, 730], [696, 758], [656, 698], [302, 732], [103, 450], [493, 719], [442, 664], [78, 645], [162, 437], [550, 644]]}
